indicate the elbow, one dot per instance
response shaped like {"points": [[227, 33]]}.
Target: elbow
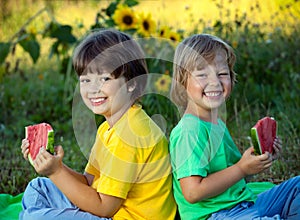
{"points": [[192, 198], [192, 189], [106, 215]]}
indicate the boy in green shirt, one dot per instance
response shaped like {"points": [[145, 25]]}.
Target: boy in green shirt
{"points": [[207, 167]]}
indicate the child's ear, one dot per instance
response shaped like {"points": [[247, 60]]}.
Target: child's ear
{"points": [[131, 86]]}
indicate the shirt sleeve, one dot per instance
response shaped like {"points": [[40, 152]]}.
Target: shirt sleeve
{"points": [[114, 187], [189, 153], [90, 169]]}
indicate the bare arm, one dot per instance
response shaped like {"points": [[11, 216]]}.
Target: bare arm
{"points": [[80, 177], [197, 188], [76, 186]]}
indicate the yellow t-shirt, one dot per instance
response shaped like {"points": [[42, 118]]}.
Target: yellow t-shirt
{"points": [[131, 161]]}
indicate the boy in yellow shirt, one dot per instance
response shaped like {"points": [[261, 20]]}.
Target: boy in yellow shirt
{"points": [[128, 175]]}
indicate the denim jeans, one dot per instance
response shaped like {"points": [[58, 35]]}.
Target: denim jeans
{"points": [[43, 200], [279, 202]]}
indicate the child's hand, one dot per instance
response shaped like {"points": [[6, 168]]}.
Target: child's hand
{"points": [[25, 148], [46, 163], [251, 164], [277, 148]]}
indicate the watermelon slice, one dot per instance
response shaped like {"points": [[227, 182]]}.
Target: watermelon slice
{"points": [[39, 135], [263, 135]]}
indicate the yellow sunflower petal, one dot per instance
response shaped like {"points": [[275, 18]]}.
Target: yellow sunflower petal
{"points": [[124, 17], [164, 32], [174, 36], [163, 83], [147, 25]]}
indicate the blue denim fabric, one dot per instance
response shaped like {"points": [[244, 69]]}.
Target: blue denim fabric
{"points": [[279, 202], [42, 200]]}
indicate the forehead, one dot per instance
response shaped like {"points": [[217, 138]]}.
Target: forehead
{"points": [[220, 56], [219, 63], [216, 58], [98, 69]]}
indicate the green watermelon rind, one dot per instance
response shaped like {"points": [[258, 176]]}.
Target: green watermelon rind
{"points": [[255, 142], [30, 159], [50, 145]]}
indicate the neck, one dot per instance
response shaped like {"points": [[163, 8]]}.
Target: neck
{"points": [[205, 115], [113, 119]]}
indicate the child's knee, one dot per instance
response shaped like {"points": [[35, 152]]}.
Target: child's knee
{"points": [[39, 182], [295, 181]]}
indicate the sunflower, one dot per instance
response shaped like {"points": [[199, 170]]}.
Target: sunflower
{"points": [[164, 32], [174, 36], [147, 25], [124, 17], [163, 83]]}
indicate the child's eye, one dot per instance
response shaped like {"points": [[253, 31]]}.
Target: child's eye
{"points": [[201, 75], [223, 74], [105, 79], [83, 80]]}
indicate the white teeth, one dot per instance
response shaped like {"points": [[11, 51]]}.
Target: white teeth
{"points": [[97, 99], [212, 94]]}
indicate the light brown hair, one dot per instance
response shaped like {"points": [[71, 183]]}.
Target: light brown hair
{"points": [[191, 54]]}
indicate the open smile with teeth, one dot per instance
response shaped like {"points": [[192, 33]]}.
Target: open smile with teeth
{"points": [[212, 94], [97, 101]]}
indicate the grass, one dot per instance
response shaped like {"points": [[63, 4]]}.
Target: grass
{"points": [[268, 75]]}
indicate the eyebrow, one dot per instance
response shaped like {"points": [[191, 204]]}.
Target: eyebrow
{"points": [[199, 67]]}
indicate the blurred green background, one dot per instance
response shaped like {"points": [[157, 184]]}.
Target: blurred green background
{"points": [[37, 82]]}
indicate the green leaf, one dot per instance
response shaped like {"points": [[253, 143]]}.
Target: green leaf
{"points": [[32, 47], [110, 22], [63, 33], [4, 51], [111, 9], [131, 3], [54, 49]]}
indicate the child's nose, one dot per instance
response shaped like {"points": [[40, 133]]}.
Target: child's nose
{"points": [[214, 79], [96, 86]]}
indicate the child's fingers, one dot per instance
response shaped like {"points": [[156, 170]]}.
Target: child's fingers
{"points": [[249, 151], [264, 157], [268, 164], [278, 142], [40, 160], [43, 154], [25, 154], [25, 144], [265, 161], [25, 149], [59, 151], [277, 148]]}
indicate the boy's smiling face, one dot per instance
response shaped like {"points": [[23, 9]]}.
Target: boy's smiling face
{"points": [[105, 95], [208, 87]]}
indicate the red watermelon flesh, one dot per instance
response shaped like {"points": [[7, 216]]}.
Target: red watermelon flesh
{"points": [[263, 135], [39, 135]]}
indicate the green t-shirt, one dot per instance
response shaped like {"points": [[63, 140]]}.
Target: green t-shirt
{"points": [[201, 148]]}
